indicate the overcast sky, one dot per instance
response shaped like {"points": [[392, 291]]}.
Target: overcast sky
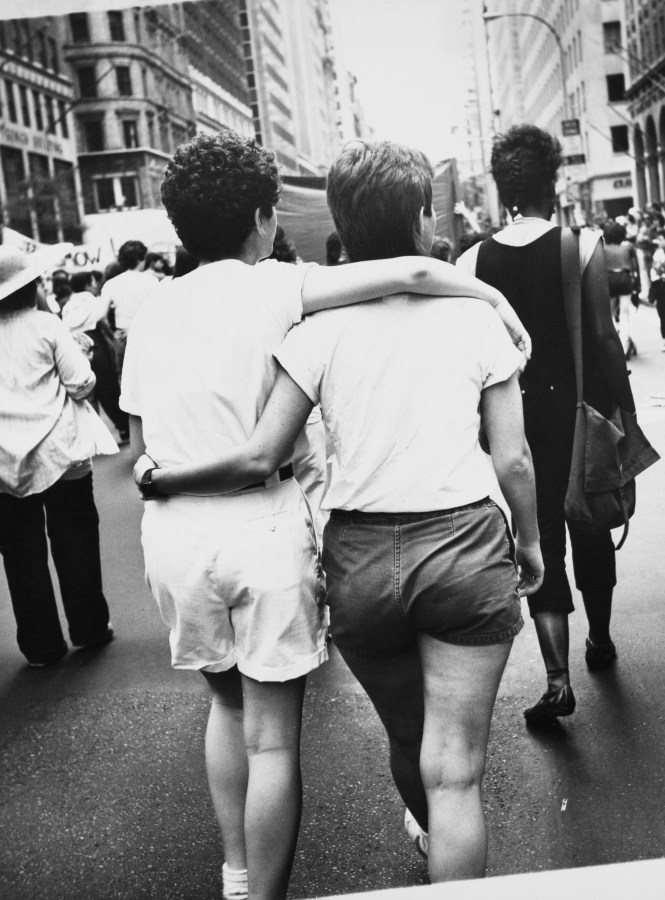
{"points": [[406, 56]]}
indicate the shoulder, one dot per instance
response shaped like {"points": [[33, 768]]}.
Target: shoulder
{"points": [[469, 259]]}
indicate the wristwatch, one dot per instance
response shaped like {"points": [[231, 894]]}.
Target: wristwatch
{"points": [[143, 470], [147, 489]]}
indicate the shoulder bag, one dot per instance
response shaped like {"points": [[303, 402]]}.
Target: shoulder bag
{"points": [[608, 453]]}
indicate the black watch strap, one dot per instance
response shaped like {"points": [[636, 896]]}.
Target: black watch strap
{"points": [[146, 488]]}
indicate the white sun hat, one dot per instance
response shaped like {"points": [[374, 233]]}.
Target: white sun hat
{"points": [[18, 269]]}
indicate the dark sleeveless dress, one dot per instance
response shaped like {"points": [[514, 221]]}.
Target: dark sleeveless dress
{"points": [[530, 277]]}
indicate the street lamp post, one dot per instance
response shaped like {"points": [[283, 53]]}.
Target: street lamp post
{"points": [[490, 17]]}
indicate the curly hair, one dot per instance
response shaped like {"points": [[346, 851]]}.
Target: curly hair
{"points": [[212, 188], [524, 164], [375, 194]]}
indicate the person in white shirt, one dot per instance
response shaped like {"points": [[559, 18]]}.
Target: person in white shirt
{"points": [[125, 293], [237, 578], [420, 565], [46, 471]]}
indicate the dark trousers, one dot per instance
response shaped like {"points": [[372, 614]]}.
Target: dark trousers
{"points": [[107, 388], [658, 291], [67, 513], [594, 564]]}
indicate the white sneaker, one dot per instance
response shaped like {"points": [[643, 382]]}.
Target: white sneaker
{"points": [[234, 883], [416, 835]]}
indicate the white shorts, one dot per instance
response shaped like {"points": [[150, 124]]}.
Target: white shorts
{"points": [[238, 581]]}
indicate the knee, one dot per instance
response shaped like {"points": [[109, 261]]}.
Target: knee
{"points": [[452, 769]]}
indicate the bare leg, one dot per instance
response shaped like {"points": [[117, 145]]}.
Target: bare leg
{"points": [[460, 689], [395, 687], [272, 723], [226, 762]]}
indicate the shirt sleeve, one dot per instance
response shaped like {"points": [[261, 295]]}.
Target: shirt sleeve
{"points": [[281, 284], [300, 354], [129, 383], [72, 366], [500, 356]]}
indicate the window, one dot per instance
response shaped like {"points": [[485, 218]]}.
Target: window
{"points": [[130, 133], [25, 108], [78, 22], [93, 131], [62, 116], [3, 37], [43, 54], [37, 106], [116, 26], [619, 138], [117, 193], [611, 36], [151, 131], [616, 88], [105, 193], [27, 42], [87, 81], [129, 191], [50, 115], [53, 54], [124, 81], [11, 101]]}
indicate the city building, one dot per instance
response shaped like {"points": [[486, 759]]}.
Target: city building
{"points": [[639, 41], [473, 133], [568, 72], [217, 67], [296, 86], [38, 154]]}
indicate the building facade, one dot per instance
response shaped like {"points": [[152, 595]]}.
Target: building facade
{"points": [[38, 155], [297, 87], [568, 72], [640, 45]]}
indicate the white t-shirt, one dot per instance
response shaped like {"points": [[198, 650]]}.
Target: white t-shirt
{"points": [[83, 311], [199, 366], [127, 292], [399, 383]]}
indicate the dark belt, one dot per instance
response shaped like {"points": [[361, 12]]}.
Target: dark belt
{"points": [[284, 474]]}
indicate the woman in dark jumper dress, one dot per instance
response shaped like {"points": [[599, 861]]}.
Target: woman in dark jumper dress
{"points": [[524, 262]]}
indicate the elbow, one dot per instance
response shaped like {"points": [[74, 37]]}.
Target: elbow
{"points": [[83, 390], [262, 463], [516, 465]]}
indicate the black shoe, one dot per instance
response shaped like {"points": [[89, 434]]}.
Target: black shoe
{"points": [[600, 656], [97, 642], [49, 661], [554, 703]]}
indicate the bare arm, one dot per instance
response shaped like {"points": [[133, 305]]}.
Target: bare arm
{"points": [[501, 411], [255, 460], [598, 324], [332, 286]]}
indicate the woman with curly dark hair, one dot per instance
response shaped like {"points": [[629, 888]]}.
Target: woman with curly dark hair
{"points": [[524, 262], [237, 576]]}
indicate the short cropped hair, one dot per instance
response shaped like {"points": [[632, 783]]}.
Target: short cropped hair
{"points": [[524, 162], [614, 232], [131, 253], [212, 188], [80, 281], [375, 194]]}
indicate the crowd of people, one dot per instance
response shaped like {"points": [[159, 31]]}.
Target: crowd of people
{"points": [[312, 445]]}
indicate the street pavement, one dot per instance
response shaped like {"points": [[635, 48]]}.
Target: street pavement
{"points": [[102, 781]]}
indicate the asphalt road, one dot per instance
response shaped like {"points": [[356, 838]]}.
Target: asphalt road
{"points": [[102, 783]]}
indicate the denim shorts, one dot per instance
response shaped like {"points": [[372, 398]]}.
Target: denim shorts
{"points": [[450, 574]]}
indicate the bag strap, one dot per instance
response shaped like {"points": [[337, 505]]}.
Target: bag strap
{"points": [[572, 298]]}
